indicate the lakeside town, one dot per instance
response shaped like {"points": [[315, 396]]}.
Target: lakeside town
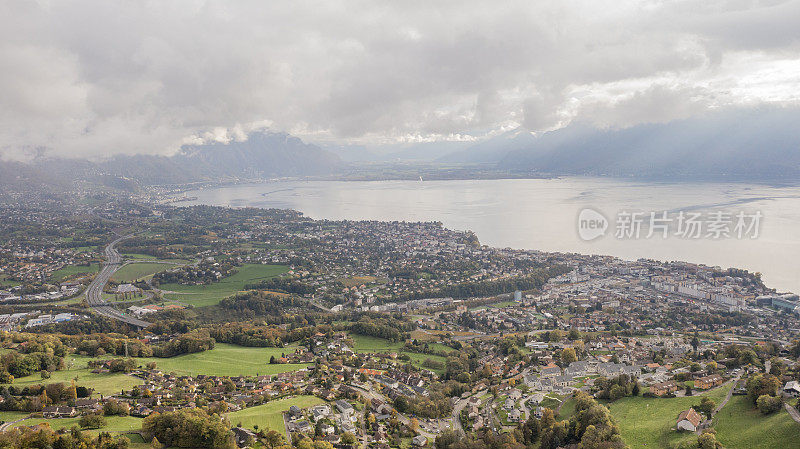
{"points": [[278, 330]]}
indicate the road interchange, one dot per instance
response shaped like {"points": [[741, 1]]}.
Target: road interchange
{"points": [[94, 293]]}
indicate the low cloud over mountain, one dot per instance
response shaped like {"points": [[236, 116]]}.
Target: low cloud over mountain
{"points": [[760, 144]]}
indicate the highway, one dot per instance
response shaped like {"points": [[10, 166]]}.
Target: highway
{"points": [[94, 293]]}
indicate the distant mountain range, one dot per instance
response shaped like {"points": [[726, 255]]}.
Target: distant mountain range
{"points": [[262, 155], [760, 145], [751, 145]]}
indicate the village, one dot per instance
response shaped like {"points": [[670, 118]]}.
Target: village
{"points": [[387, 334]]}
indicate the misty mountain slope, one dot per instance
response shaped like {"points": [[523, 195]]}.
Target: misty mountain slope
{"points": [[352, 153], [491, 150], [425, 151], [262, 155], [752, 145]]}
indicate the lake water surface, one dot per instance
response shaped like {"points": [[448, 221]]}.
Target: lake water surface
{"points": [[542, 214]]}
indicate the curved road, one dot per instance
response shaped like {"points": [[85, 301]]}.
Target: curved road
{"points": [[94, 293]]}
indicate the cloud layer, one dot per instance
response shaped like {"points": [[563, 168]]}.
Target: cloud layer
{"points": [[95, 78]]}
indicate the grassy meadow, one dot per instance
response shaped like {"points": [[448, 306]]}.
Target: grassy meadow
{"points": [[226, 360], [135, 271], [74, 270], [740, 426], [113, 423], [270, 415], [363, 343], [77, 369], [208, 295], [648, 422]]}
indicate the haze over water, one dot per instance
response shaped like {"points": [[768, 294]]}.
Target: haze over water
{"points": [[542, 214]]}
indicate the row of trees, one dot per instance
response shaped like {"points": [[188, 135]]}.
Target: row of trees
{"points": [[285, 285], [617, 387], [44, 437], [387, 328], [434, 406], [591, 426], [190, 428], [13, 364], [185, 344], [495, 287], [247, 334]]}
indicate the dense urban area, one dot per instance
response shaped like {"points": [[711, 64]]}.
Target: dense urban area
{"points": [[133, 322]]}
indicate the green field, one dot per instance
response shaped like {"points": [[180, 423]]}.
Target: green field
{"points": [[270, 415], [208, 295], [12, 416], [134, 271], [501, 304], [137, 442], [73, 270], [113, 423], [648, 422], [226, 360], [105, 384], [552, 401], [138, 256], [567, 409], [363, 343], [8, 282], [135, 256], [739, 426], [441, 347], [223, 360]]}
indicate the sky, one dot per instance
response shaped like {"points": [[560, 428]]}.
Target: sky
{"points": [[98, 78]]}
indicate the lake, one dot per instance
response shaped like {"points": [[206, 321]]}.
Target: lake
{"points": [[543, 214]]}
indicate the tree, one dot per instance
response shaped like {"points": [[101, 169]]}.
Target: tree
{"points": [[708, 440], [568, 356], [768, 404], [706, 406], [348, 438], [189, 428], [761, 384], [113, 407], [531, 430], [274, 439], [92, 421], [72, 393], [616, 392], [44, 399]]}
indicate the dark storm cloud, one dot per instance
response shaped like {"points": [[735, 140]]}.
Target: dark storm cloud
{"points": [[92, 78]]}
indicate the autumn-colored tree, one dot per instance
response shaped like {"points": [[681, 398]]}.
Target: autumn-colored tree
{"points": [[568, 356]]}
